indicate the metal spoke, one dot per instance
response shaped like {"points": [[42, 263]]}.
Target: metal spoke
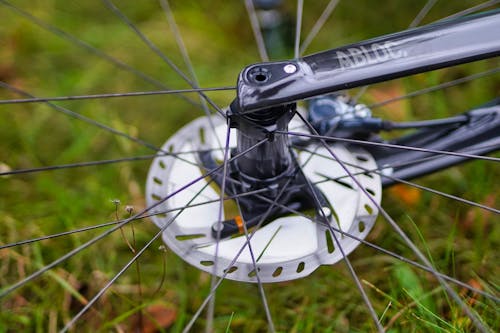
{"points": [[298, 28], [257, 32], [78, 165], [325, 15], [112, 95], [103, 162], [211, 305], [262, 292], [422, 13], [83, 118], [436, 87], [389, 145], [180, 43], [470, 10]]}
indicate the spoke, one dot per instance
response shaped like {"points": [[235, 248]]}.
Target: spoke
{"points": [[470, 10], [436, 87], [156, 50], [325, 15], [423, 12], [262, 292], [298, 28], [79, 164], [82, 44], [477, 322], [83, 118], [180, 42], [389, 145], [257, 32], [60, 234], [112, 95], [102, 162], [211, 305]]}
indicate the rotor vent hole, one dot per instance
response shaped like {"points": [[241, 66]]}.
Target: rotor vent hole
{"points": [[368, 209], [253, 273], [369, 190], [201, 133], [157, 180], [277, 271], [343, 183], [329, 241], [369, 175], [189, 237], [230, 269], [301, 266], [171, 148], [155, 197], [361, 226], [162, 164], [207, 263]]}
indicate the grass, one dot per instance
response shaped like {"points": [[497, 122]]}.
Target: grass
{"points": [[461, 240]]}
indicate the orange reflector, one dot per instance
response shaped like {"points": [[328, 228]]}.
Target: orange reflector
{"points": [[239, 222]]}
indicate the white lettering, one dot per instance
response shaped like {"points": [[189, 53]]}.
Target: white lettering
{"points": [[344, 60], [394, 55], [357, 56], [366, 55], [380, 51]]}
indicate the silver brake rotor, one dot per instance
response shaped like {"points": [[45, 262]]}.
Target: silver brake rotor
{"points": [[287, 248]]}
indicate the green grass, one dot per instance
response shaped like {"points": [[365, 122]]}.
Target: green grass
{"points": [[460, 240]]}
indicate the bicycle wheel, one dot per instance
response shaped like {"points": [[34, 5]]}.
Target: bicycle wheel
{"points": [[60, 49]]}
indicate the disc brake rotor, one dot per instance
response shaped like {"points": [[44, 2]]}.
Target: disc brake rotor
{"points": [[289, 247]]}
